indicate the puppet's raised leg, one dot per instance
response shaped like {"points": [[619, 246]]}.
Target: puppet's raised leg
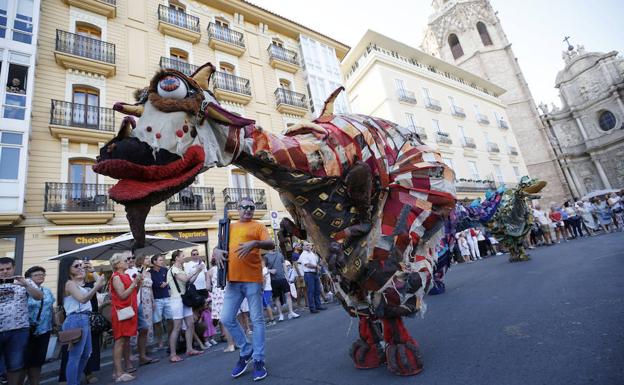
{"points": [[402, 352], [367, 351]]}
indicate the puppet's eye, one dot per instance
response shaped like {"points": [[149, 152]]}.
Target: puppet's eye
{"points": [[172, 87]]}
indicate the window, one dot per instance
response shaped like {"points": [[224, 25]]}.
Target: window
{"points": [[498, 173], [483, 33], [3, 18], [436, 125], [425, 92], [451, 101], [285, 84], [221, 22], [85, 110], [176, 6], [81, 174], [606, 120], [88, 30], [227, 68], [456, 48], [516, 171], [23, 24], [399, 84], [240, 179], [10, 146], [15, 99], [472, 165], [462, 131], [278, 42], [178, 54], [411, 121]]}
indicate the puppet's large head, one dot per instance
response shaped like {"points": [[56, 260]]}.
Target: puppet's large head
{"points": [[181, 132]]}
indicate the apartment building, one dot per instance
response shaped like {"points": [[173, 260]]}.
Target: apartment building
{"points": [[18, 47], [458, 112], [94, 53]]}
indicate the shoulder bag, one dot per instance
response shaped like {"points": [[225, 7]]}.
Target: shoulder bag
{"points": [[191, 297]]}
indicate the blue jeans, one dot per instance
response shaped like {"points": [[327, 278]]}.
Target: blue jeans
{"points": [[235, 292], [313, 287], [13, 344], [80, 351]]}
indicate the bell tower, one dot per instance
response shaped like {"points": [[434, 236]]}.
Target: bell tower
{"points": [[468, 34]]}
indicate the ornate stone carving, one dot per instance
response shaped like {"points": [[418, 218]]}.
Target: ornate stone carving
{"points": [[460, 18]]}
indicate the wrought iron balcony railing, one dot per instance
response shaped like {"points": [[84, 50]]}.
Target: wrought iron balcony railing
{"points": [[284, 96], [420, 131], [224, 34], [80, 115], [482, 119], [178, 18], [458, 111], [406, 96], [283, 54], [443, 137], [512, 150], [433, 104], [231, 197], [69, 197], [474, 185], [468, 142], [84, 46], [178, 65], [192, 199], [503, 124], [493, 147], [228, 82]]}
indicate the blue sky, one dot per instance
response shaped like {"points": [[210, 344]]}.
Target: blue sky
{"points": [[535, 28]]}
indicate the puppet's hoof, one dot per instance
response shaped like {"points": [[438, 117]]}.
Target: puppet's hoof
{"points": [[404, 359], [521, 258], [366, 356]]}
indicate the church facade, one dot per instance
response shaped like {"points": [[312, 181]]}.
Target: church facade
{"points": [[587, 132], [468, 34]]}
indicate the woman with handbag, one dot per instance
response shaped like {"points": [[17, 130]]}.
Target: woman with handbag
{"points": [[178, 280], [124, 314], [41, 322], [76, 302]]}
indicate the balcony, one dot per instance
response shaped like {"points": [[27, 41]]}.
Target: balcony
{"points": [[493, 147], [106, 8], [81, 123], [469, 185], [433, 104], [406, 96], [84, 53], [77, 203], [231, 197], [458, 111], [503, 124], [443, 138], [290, 102], [482, 119], [178, 24], [283, 59], [420, 131], [178, 65], [225, 39], [191, 204], [512, 150], [468, 142], [231, 88]]}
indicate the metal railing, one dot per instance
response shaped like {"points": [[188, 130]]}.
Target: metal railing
{"points": [[228, 82], [178, 65], [227, 35], [284, 96], [231, 197], [433, 104], [468, 142], [192, 199], [84, 46], [482, 119], [406, 96], [493, 147], [512, 150], [64, 113], [283, 54], [111, 2], [62, 197], [474, 186], [420, 131], [178, 18], [502, 124], [443, 137], [458, 111]]}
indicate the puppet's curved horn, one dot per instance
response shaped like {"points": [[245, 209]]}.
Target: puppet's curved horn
{"points": [[129, 109], [203, 74]]}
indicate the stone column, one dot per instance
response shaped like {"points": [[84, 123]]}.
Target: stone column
{"points": [[619, 102], [601, 173], [575, 185], [579, 122]]}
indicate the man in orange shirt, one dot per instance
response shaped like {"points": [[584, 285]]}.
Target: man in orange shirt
{"points": [[247, 238]]}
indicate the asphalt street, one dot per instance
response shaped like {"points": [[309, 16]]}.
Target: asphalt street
{"points": [[557, 319]]}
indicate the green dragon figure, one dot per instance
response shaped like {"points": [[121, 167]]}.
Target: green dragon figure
{"points": [[514, 217]]}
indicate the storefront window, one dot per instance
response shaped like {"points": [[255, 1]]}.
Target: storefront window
{"points": [[23, 24], [15, 99], [10, 146]]}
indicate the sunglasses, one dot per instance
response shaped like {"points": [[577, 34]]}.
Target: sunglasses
{"points": [[247, 207], [130, 258], [77, 266]]}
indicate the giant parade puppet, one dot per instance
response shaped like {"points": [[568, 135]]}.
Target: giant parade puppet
{"points": [[370, 195]]}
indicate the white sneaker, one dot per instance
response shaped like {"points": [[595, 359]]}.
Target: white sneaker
{"points": [[293, 315], [280, 318]]}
